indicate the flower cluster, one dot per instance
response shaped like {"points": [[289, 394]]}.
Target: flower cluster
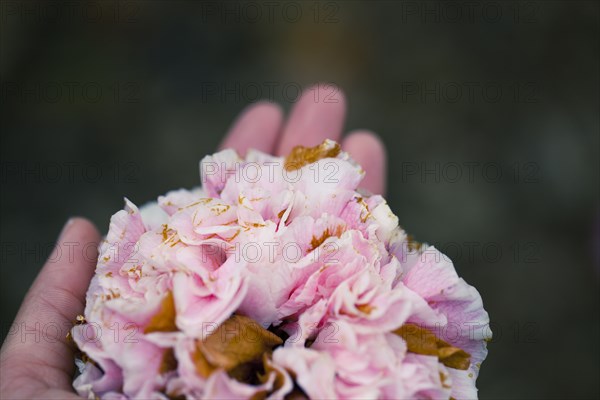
{"points": [[278, 278]]}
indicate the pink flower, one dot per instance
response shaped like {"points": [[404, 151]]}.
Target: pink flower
{"points": [[277, 278]]}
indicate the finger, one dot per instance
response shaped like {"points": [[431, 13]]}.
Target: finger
{"points": [[37, 342], [256, 127], [366, 148], [318, 115]]}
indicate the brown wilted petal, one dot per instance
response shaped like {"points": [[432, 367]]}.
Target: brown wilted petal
{"points": [[453, 357], [203, 367], [164, 319], [301, 156], [418, 340], [269, 369], [168, 362], [422, 341], [236, 341]]}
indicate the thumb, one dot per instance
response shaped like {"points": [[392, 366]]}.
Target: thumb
{"points": [[36, 345]]}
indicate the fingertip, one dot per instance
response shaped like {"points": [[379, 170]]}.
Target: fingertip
{"points": [[367, 138], [257, 126], [264, 108], [77, 246], [319, 114], [80, 227], [368, 150]]}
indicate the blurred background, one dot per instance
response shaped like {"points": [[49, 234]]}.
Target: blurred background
{"points": [[489, 112]]}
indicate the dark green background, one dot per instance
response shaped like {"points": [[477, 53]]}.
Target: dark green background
{"points": [[528, 240]]}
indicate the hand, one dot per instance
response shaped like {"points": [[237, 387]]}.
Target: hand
{"points": [[36, 360], [318, 115]]}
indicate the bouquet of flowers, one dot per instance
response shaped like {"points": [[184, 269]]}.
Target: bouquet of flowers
{"points": [[278, 278]]}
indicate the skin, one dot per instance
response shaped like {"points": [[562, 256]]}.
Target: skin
{"points": [[41, 366]]}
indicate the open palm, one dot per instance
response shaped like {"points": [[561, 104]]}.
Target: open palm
{"points": [[36, 360]]}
